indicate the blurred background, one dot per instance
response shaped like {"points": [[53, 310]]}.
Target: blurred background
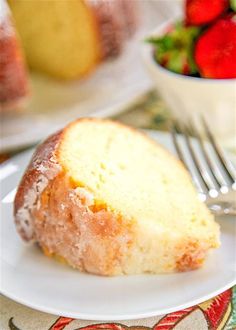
{"points": [[142, 62]]}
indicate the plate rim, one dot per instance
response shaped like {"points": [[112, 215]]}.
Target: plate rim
{"points": [[9, 143], [121, 317]]}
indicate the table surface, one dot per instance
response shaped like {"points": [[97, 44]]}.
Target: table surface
{"points": [[214, 314]]}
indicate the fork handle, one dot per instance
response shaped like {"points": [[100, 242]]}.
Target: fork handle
{"points": [[222, 208]]}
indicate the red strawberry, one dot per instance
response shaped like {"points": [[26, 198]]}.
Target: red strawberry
{"points": [[215, 49], [199, 12]]}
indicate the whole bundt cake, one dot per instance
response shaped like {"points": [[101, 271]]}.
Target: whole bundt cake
{"points": [[67, 39]]}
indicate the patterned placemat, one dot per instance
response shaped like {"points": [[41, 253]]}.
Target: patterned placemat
{"points": [[215, 314]]}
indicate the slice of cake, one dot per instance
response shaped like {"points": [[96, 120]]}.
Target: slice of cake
{"points": [[108, 200], [67, 39]]}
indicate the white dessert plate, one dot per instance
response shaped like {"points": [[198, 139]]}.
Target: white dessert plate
{"points": [[30, 278]]}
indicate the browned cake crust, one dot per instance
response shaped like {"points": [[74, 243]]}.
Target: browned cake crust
{"points": [[116, 22], [47, 204]]}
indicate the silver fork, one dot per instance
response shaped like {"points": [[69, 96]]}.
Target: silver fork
{"points": [[213, 173]]}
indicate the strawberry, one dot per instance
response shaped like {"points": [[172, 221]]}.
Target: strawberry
{"points": [[215, 49], [200, 12], [174, 50]]}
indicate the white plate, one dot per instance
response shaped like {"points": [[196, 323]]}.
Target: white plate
{"points": [[27, 276], [115, 86]]}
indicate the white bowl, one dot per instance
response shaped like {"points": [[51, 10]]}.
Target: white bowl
{"points": [[189, 96]]}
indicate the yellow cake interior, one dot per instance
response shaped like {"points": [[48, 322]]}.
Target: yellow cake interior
{"points": [[60, 38], [134, 177]]}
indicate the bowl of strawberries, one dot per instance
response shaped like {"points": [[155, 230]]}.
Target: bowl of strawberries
{"points": [[192, 61]]}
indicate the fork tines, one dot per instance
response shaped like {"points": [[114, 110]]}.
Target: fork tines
{"points": [[211, 170]]}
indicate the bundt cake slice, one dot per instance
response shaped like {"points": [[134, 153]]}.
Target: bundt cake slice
{"points": [[108, 200]]}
